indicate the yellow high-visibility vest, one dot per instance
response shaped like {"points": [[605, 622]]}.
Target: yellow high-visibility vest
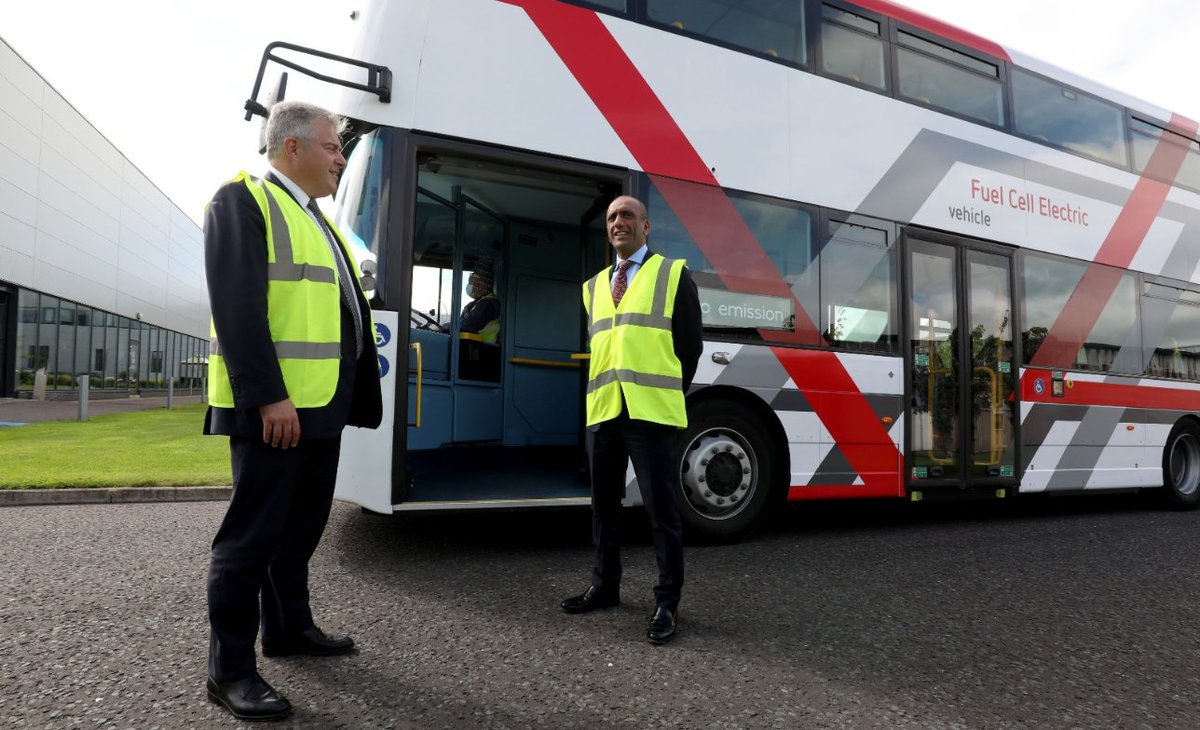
{"points": [[633, 354], [303, 302]]}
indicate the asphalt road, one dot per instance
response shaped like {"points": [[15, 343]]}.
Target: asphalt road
{"points": [[1066, 613]]}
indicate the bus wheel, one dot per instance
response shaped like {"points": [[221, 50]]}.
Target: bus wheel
{"points": [[727, 476], [1181, 466]]}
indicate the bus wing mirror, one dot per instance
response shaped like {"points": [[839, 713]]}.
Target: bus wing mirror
{"points": [[379, 78]]}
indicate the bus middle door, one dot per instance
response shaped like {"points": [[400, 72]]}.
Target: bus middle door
{"points": [[961, 371]]}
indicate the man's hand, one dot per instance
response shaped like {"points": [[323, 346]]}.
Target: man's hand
{"points": [[281, 424]]}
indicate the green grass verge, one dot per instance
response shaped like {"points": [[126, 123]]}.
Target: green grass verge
{"points": [[156, 447]]}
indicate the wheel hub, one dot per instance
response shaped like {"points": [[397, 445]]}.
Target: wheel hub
{"points": [[717, 474]]}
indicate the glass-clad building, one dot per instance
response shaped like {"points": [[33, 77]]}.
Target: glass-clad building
{"points": [[69, 339], [100, 273]]}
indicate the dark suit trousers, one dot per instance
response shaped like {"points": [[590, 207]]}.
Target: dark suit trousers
{"points": [[651, 447], [280, 504]]}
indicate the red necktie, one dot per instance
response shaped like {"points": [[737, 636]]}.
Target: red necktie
{"points": [[620, 283]]}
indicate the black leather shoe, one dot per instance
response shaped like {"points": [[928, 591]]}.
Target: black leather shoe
{"points": [[313, 642], [662, 626], [250, 698], [591, 599]]}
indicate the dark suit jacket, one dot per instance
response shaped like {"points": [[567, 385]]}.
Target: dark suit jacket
{"points": [[235, 260], [687, 331]]}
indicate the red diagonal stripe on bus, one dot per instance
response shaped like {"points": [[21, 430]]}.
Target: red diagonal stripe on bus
{"points": [[655, 140], [1082, 310]]}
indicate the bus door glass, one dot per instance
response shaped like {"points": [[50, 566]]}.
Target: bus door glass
{"points": [[960, 367], [435, 235], [478, 402]]}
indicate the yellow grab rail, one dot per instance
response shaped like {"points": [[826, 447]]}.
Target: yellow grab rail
{"points": [[420, 370], [542, 363]]}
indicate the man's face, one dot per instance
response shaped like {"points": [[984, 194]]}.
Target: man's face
{"points": [[477, 286], [628, 225], [316, 164]]}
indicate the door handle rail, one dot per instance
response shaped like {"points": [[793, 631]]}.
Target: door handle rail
{"points": [[420, 372], [542, 363]]}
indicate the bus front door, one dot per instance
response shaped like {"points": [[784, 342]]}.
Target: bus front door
{"points": [[960, 367], [500, 396]]}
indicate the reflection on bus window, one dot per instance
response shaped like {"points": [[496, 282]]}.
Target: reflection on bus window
{"points": [[435, 230], [847, 51], [618, 5], [359, 202], [1171, 327], [955, 82], [1048, 283], [772, 29], [1057, 114], [858, 274], [1146, 138], [737, 301]]}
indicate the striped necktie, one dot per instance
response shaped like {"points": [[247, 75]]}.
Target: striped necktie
{"points": [[345, 278], [620, 283]]}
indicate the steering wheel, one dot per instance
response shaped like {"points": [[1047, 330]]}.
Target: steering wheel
{"points": [[425, 322]]}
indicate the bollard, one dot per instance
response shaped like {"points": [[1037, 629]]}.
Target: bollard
{"points": [[39, 384], [170, 393], [83, 397]]}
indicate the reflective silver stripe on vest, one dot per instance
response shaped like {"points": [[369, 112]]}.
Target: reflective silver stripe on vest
{"points": [[658, 306], [599, 326], [294, 350], [591, 285], [609, 377], [657, 321], [308, 350], [285, 267], [299, 272]]}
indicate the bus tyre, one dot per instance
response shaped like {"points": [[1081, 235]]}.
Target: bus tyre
{"points": [[728, 481], [1181, 466]]}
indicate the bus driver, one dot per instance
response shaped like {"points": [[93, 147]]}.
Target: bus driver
{"points": [[481, 316]]}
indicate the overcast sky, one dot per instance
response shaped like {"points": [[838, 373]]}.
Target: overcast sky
{"points": [[165, 81]]}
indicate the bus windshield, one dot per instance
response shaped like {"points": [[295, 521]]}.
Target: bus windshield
{"points": [[360, 202]]}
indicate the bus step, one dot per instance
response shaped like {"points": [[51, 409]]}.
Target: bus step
{"points": [[944, 495]]}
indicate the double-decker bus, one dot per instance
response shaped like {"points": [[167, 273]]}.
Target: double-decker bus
{"points": [[929, 266]]}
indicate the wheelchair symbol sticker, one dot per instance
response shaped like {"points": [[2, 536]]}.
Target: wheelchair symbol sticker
{"points": [[1039, 386], [383, 335], [383, 367]]}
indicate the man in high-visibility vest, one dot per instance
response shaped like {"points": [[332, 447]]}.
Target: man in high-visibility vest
{"points": [[481, 316], [645, 333], [292, 363]]}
